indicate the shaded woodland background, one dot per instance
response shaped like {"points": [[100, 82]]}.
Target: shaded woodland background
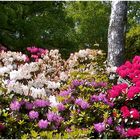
{"points": [[67, 26]]}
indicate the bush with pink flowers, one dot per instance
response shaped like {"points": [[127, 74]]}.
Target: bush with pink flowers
{"points": [[126, 98], [45, 96]]}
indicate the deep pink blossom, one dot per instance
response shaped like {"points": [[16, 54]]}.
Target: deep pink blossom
{"points": [[133, 90], [136, 59], [131, 75], [138, 84], [34, 56], [136, 66], [113, 93], [135, 113], [32, 49], [123, 73], [135, 79], [116, 90], [133, 132], [125, 111], [136, 72], [128, 64]]}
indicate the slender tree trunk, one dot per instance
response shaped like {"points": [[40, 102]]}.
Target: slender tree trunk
{"points": [[116, 33]]}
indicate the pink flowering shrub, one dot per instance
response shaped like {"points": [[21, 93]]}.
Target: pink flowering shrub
{"points": [[35, 53], [126, 98]]}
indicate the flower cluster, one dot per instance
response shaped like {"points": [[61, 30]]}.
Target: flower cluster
{"points": [[85, 61], [24, 113], [37, 79], [133, 113], [35, 53], [10, 61], [130, 70], [85, 106], [125, 97], [45, 74], [43, 96]]}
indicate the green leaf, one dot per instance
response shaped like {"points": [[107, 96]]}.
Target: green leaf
{"points": [[5, 114], [25, 136], [34, 134], [21, 122]]}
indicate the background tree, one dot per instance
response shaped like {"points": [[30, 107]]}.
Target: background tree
{"points": [[43, 24], [133, 30], [91, 22], [116, 33], [67, 26]]}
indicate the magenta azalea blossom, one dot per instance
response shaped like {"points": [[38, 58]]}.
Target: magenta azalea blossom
{"points": [[15, 106], [61, 107], [33, 114], [43, 124], [125, 111], [133, 132], [41, 103], [29, 105], [99, 127], [110, 120], [83, 104]]}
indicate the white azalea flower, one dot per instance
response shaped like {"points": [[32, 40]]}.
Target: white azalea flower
{"points": [[53, 101], [53, 85], [63, 76]]}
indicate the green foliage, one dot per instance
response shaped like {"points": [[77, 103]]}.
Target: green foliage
{"points": [[91, 23], [133, 42], [73, 133], [133, 30], [34, 23]]}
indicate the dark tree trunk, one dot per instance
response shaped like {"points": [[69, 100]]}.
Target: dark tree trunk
{"points": [[116, 33]]}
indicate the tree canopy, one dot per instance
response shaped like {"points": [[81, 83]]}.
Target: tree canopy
{"points": [[67, 26]]}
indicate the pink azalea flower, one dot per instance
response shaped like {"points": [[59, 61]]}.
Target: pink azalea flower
{"points": [[132, 91], [133, 132], [34, 56], [131, 75], [136, 59], [43, 124], [128, 64], [117, 89], [125, 111], [15, 105], [138, 84], [135, 113]]}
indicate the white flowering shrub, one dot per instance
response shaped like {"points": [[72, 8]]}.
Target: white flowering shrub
{"points": [[88, 65], [41, 75]]}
